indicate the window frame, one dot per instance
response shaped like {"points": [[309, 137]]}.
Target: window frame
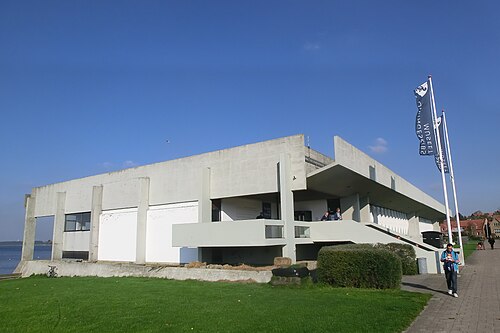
{"points": [[82, 222]]}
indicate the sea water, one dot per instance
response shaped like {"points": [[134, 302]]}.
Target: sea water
{"points": [[10, 255]]}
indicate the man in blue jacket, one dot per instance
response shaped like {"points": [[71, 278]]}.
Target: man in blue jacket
{"points": [[450, 261]]}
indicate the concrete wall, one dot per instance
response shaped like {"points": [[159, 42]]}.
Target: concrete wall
{"points": [[350, 208], [76, 241], [316, 159], [239, 171], [234, 209], [68, 268], [159, 232], [356, 160], [318, 207], [225, 234], [117, 235], [425, 225]]}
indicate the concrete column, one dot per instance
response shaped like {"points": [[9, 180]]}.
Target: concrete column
{"points": [[142, 220], [286, 204], [350, 207], [204, 202], [29, 228], [414, 227], [364, 212], [59, 219], [95, 214], [435, 226]]}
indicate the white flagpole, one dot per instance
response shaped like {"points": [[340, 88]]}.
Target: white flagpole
{"points": [[438, 139], [452, 177]]}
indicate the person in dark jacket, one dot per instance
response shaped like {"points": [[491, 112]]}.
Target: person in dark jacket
{"points": [[337, 215], [326, 216], [491, 240]]}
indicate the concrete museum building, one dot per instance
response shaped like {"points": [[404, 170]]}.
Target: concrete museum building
{"points": [[205, 208]]}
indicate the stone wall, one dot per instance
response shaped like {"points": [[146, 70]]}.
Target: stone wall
{"points": [[73, 268]]}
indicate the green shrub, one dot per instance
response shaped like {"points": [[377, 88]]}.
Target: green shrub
{"points": [[359, 266], [407, 255]]}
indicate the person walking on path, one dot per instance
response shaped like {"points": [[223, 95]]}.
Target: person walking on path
{"points": [[491, 240], [450, 261]]}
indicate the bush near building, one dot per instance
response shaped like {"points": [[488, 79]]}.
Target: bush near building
{"points": [[407, 255], [359, 266]]}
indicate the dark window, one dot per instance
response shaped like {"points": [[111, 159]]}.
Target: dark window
{"points": [[83, 255], [266, 210], [77, 222], [216, 210], [303, 215], [333, 204]]}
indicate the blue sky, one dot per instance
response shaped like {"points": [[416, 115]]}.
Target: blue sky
{"points": [[88, 87]]}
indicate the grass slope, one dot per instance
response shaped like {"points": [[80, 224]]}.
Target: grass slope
{"points": [[40, 304]]}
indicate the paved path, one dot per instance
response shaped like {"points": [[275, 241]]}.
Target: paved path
{"points": [[477, 309]]}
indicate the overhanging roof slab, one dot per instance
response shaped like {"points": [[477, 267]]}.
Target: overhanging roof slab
{"points": [[339, 181]]}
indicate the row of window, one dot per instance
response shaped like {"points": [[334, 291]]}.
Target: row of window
{"points": [[77, 222]]}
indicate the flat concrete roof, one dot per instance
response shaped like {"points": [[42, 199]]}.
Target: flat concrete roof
{"points": [[338, 181]]}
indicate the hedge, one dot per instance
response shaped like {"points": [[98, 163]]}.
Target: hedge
{"points": [[407, 255], [359, 266], [405, 252]]}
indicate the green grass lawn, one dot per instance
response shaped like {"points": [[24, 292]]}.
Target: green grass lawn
{"points": [[41, 304], [469, 247]]}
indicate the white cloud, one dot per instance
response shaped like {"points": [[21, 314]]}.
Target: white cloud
{"points": [[379, 146], [312, 46]]}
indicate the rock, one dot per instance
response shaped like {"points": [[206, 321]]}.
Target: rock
{"points": [[282, 261]]}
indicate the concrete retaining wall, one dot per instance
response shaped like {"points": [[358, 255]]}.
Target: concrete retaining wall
{"points": [[70, 268]]}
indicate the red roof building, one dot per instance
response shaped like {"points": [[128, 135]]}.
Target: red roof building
{"points": [[473, 227]]}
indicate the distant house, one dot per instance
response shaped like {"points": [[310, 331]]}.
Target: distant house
{"points": [[474, 227], [205, 208], [495, 228]]}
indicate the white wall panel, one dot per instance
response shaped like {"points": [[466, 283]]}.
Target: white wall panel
{"points": [[234, 209], [117, 235], [76, 241], [159, 232], [426, 225]]}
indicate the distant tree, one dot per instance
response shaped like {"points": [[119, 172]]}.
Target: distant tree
{"points": [[460, 216]]}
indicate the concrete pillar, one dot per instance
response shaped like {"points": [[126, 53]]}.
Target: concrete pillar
{"points": [[286, 204], [435, 226], [414, 227], [364, 212], [58, 230], [95, 214], [29, 228], [142, 220], [350, 207], [204, 202]]}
